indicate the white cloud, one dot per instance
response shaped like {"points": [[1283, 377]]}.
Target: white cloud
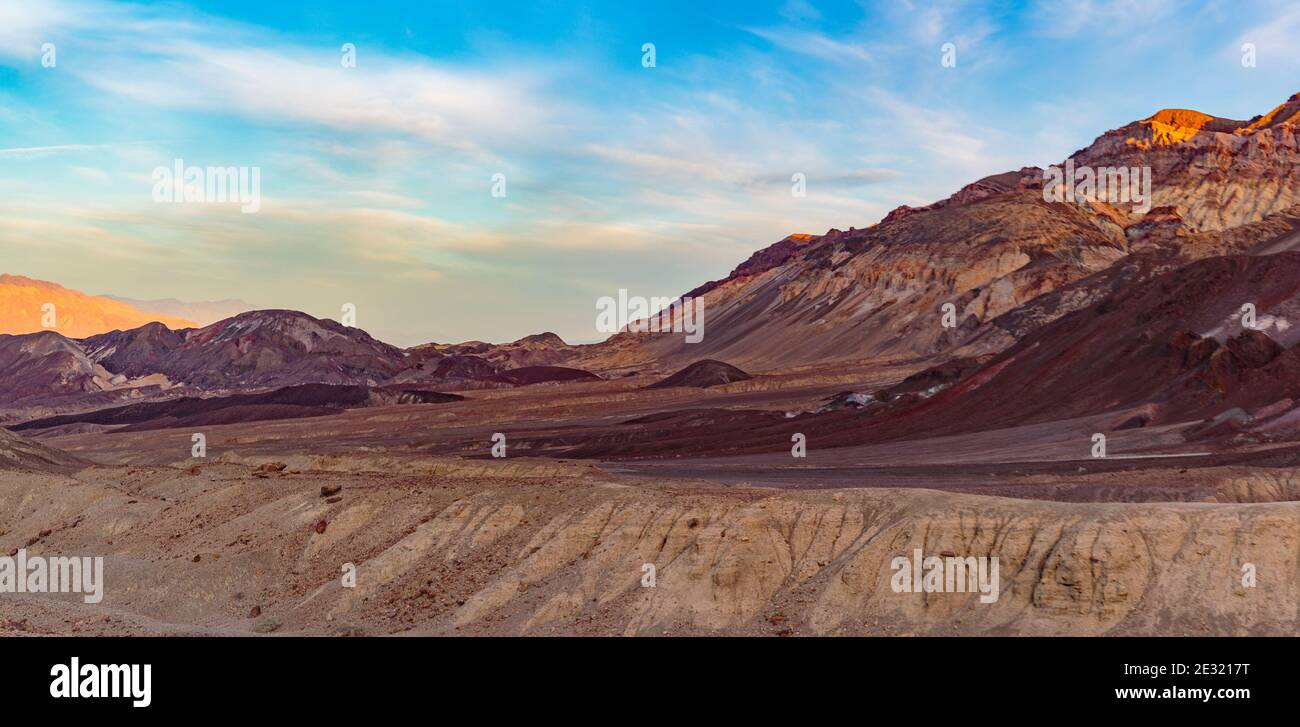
{"points": [[222, 67], [1109, 17], [1275, 40], [32, 152], [816, 45]]}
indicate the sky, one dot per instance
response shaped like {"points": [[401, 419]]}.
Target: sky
{"points": [[378, 179]]}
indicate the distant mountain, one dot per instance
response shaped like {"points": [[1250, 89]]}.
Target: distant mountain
{"points": [[46, 363], [24, 308], [46, 374], [539, 349], [203, 313], [258, 349]]}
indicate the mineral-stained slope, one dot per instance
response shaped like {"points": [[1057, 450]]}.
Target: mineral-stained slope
{"points": [[880, 291], [1177, 347]]}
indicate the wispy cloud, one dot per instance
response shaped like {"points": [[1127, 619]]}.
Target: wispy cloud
{"points": [[1110, 17], [32, 152], [814, 44], [1275, 40], [376, 179]]}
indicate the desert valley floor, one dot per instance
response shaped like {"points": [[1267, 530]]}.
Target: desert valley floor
{"points": [[448, 540]]}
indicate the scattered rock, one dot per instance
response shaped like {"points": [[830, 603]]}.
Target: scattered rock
{"points": [[330, 490], [268, 626]]}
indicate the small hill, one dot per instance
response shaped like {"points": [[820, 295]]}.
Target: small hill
{"points": [[527, 375], [703, 374]]}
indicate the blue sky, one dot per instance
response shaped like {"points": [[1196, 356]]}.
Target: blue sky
{"points": [[376, 179]]}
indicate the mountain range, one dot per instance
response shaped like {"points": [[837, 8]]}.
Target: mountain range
{"points": [[202, 313], [1058, 308]]}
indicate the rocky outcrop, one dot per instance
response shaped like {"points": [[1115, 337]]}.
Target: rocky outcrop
{"points": [[1217, 173]]}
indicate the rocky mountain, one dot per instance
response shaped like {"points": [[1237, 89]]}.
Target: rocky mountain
{"points": [[251, 350], [1213, 343], [1217, 186], [27, 305], [1173, 350], [46, 363], [1215, 173], [46, 375], [879, 292], [958, 284]]}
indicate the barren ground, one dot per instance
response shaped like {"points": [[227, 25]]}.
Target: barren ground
{"points": [[1141, 543]]}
